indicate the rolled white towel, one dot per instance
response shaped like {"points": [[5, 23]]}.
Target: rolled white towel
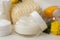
{"points": [[30, 25]]}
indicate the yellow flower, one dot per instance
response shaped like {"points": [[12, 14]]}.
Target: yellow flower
{"points": [[14, 1], [55, 27]]}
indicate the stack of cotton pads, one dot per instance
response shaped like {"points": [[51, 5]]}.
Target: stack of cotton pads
{"points": [[5, 27]]}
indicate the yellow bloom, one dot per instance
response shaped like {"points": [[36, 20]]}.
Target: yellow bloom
{"points": [[55, 27], [14, 1]]}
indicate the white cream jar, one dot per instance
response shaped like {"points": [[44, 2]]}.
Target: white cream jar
{"points": [[30, 25]]}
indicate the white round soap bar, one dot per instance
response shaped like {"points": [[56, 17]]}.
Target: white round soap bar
{"points": [[5, 27]]}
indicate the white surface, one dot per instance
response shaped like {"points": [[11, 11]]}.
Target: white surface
{"points": [[41, 37], [52, 2]]}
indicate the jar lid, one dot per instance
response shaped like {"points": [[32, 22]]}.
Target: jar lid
{"points": [[56, 13]]}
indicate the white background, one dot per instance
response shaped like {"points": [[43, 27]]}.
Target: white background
{"points": [[54, 2]]}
